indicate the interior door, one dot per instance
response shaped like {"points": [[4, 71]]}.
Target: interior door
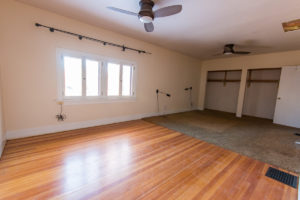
{"points": [[287, 111]]}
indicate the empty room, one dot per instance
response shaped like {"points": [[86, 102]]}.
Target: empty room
{"points": [[149, 99]]}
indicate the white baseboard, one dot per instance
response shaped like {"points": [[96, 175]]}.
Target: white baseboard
{"points": [[15, 134]]}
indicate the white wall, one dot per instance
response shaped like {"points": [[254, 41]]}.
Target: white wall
{"points": [[260, 98], [2, 128], [271, 60], [222, 97], [28, 55]]}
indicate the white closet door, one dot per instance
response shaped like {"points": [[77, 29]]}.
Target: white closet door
{"points": [[287, 111]]}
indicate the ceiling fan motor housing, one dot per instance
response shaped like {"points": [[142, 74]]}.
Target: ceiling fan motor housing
{"points": [[228, 49], [146, 14]]}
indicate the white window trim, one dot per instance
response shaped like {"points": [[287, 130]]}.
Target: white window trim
{"points": [[102, 98]]}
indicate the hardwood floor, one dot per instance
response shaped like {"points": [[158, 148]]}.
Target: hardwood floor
{"points": [[131, 160]]}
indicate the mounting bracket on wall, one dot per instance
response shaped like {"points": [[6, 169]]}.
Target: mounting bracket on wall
{"points": [[61, 116], [157, 97], [191, 98]]}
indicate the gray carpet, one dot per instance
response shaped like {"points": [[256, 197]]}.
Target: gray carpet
{"points": [[254, 137]]}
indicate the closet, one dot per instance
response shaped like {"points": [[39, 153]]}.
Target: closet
{"points": [[222, 90], [261, 92]]}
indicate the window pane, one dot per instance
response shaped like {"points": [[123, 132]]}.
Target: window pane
{"points": [[73, 76], [113, 79], [92, 74], [126, 80]]}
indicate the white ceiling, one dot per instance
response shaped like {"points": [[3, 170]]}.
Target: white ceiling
{"points": [[201, 29]]}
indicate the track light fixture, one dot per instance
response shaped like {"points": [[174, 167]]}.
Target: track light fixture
{"points": [[161, 92]]}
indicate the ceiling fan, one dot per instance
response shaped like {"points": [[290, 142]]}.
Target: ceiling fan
{"points": [[229, 50], [146, 14]]}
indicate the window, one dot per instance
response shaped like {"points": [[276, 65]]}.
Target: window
{"points": [[113, 79], [119, 80], [84, 77], [127, 80], [73, 74], [92, 78]]}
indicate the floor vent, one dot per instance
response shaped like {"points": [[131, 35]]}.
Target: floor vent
{"points": [[282, 177], [297, 134]]}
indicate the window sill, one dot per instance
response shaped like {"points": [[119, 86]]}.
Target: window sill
{"points": [[96, 100]]}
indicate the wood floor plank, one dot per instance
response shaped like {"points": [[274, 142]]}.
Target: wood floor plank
{"points": [[131, 160]]}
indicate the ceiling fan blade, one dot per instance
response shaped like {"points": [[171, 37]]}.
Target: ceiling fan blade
{"points": [[122, 11], [149, 27], [291, 26], [241, 52], [168, 11]]}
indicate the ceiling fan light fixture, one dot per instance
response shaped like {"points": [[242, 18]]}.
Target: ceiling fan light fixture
{"points": [[146, 19], [227, 53]]}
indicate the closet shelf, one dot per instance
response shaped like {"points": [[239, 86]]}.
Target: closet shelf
{"points": [[264, 81], [222, 80]]}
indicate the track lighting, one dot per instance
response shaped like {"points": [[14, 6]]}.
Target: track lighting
{"points": [[80, 37]]}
